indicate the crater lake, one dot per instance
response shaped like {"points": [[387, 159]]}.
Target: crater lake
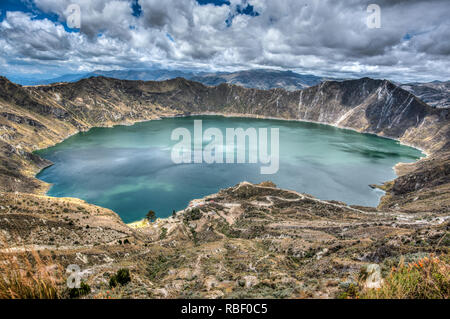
{"points": [[129, 169]]}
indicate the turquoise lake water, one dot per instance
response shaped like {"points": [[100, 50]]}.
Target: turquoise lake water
{"points": [[129, 168]]}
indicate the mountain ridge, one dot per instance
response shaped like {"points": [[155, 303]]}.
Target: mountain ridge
{"points": [[434, 93]]}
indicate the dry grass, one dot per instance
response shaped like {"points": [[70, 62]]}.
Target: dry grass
{"points": [[29, 275], [428, 278]]}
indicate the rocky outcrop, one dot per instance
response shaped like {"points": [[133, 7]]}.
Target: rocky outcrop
{"points": [[422, 186]]}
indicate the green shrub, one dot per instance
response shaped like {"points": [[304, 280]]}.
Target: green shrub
{"points": [[84, 289], [151, 216], [122, 277], [193, 214]]}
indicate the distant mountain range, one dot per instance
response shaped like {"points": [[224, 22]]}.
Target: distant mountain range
{"points": [[143, 75], [436, 94], [259, 78]]}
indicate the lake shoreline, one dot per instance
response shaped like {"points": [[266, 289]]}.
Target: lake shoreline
{"points": [[250, 116]]}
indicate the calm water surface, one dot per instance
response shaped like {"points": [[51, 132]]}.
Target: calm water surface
{"points": [[129, 168]]}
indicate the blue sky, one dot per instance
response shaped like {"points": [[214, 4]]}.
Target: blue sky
{"points": [[326, 37], [24, 6]]}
